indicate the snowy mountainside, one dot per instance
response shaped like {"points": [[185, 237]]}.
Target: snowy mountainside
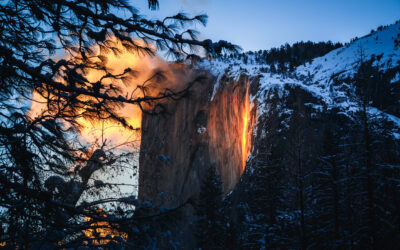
{"points": [[317, 77], [383, 44], [325, 149]]}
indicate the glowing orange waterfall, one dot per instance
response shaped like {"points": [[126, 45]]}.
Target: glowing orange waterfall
{"points": [[245, 138]]}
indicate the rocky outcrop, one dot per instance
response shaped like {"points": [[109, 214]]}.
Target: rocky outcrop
{"points": [[196, 132]]}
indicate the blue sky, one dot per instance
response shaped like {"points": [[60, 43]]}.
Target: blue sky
{"points": [[262, 24]]}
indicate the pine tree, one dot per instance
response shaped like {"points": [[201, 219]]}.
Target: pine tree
{"points": [[210, 220], [273, 68], [327, 228]]}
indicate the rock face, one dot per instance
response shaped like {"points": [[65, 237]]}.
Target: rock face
{"points": [[197, 131]]}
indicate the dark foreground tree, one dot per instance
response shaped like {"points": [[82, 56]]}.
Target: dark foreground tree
{"points": [[210, 224], [39, 194]]}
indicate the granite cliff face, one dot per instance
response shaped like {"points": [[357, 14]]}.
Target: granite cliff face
{"points": [[211, 126]]}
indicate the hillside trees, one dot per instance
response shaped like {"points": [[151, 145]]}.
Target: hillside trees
{"points": [[320, 179], [328, 177], [377, 174], [288, 57], [43, 170]]}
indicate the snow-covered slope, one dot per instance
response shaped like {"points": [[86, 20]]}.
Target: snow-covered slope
{"points": [[344, 60], [316, 77]]}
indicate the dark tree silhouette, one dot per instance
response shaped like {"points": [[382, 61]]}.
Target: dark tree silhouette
{"points": [[39, 195], [210, 223]]}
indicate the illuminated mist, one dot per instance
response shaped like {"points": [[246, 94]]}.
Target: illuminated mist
{"points": [[144, 67]]}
